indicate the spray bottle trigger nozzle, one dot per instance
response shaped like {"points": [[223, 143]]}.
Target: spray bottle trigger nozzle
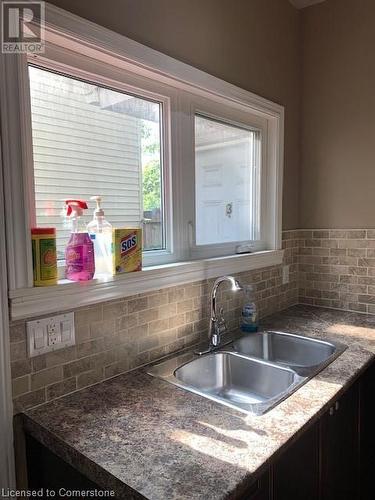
{"points": [[80, 204]]}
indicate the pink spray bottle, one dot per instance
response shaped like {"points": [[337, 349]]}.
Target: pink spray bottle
{"points": [[79, 253]]}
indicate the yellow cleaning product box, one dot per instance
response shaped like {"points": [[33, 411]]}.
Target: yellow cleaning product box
{"points": [[126, 250]]}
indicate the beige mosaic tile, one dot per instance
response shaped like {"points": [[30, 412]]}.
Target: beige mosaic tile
{"points": [[20, 385], [60, 388], [46, 377], [343, 277]]}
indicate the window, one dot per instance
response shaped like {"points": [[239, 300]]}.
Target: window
{"points": [[90, 140], [227, 187], [195, 160], [106, 134]]}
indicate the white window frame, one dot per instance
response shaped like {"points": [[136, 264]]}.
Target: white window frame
{"points": [[7, 463], [71, 39], [245, 119], [73, 65]]}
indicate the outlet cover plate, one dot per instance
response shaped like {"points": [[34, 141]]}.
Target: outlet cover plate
{"points": [[50, 334], [285, 277]]}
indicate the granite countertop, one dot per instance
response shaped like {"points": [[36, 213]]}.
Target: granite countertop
{"points": [[145, 438]]}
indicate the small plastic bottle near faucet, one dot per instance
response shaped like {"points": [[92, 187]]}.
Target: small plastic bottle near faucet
{"points": [[79, 253], [249, 316], [100, 232]]}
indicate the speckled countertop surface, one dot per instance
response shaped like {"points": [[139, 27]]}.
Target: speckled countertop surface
{"points": [[145, 438]]}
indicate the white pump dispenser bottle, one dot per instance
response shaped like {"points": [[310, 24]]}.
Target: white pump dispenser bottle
{"points": [[100, 231]]}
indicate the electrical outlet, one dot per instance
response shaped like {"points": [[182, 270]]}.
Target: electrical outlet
{"points": [[49, 334], [285, 278], [53, 339], [53, 332], [52, 328]]}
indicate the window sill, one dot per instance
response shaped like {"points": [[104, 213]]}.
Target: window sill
{"points": [[30, 302]]}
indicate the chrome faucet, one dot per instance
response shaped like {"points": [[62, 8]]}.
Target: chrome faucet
{"points": [[217, 322]]}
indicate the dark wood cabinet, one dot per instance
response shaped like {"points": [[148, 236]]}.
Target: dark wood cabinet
{"points": [[339, 448], [296, 473], [324, 462], [367, 434], [259, 490], [49, 472]]}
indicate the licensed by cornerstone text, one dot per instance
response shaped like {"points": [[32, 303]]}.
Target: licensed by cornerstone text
{"points": [[58, 493]]}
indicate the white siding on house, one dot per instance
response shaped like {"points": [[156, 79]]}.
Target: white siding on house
{"points": [[82, 149]]}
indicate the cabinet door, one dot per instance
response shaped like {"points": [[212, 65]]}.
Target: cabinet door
{"points": [[259, 490], [340, 448], [296, 473], [367, 432], [47, 471]]}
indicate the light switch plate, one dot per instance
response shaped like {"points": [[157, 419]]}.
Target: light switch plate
{"points": [[50, 334], [285, 277]]}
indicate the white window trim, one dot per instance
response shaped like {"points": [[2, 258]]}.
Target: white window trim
{"points": [[68, 32], [266, 240], [7, 465], [29, 302]]}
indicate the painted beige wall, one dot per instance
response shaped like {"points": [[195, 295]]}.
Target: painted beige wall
{"points": [[338, 139], [251, 43]]}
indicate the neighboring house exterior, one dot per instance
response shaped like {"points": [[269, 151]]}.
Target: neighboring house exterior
{"points": [[83, 149]]}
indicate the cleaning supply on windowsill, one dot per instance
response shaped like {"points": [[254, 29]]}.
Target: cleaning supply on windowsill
{"points": [[127, 250], [79, 253], [44, 255], [100, 232], [249, 316]]}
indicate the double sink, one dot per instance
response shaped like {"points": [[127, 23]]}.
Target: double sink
{"points": [[251, 373]]}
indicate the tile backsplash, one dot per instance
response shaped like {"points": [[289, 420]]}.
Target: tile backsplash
{"points": [[329, 267], [114, 337], [337, 269]]}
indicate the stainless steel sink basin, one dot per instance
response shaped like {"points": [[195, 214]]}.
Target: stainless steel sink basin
{"points": [[252, 372], [247, 384], [303, 354]]}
